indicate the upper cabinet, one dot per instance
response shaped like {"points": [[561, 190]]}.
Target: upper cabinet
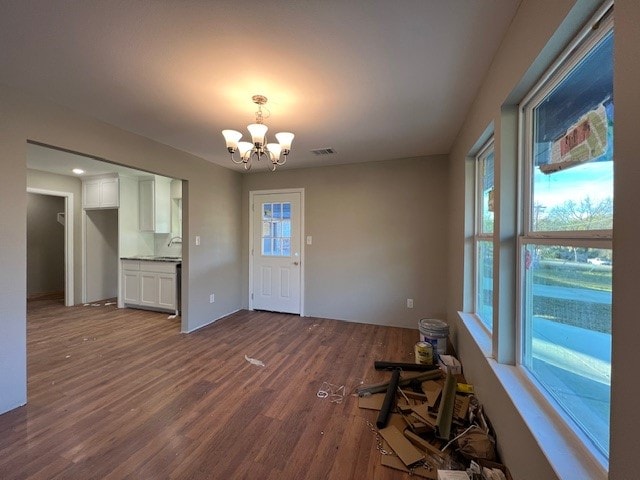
{"points": [[154, 204], [100, 192], [176, 208]]}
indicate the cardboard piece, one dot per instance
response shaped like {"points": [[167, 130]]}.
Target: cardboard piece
{"points": [[494, 465], [423, 413], [371, 402], [423, 444], [432, 390], [394, 462], [461, 407], [449, 363], [452, 475], [399, 444], [397, 421]]}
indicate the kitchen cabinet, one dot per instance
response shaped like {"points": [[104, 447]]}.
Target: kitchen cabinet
{"points": [[154, 204], [176, 208], [150, 284], [100, 192]]}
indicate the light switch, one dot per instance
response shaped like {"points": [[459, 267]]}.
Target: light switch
{"points": [[197, 239], [309, 239]]}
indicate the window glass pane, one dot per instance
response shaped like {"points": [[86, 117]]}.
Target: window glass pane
{"points": [[487, 185], [484, 283], [286, 247], [286, 228], [277, 210], [277, 246], [573, 148], [286, 210], [266, 211], [567, 340], [266, 246]]}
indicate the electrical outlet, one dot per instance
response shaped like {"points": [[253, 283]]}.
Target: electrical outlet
{"points": [[409, 302], [212, 298]]}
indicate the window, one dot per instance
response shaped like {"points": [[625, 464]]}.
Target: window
{"points": [[566, 245], [483, 238], [276, 229]]}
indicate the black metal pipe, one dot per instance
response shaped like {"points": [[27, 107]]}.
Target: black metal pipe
{"points": [[387, 405], [407, 367]]}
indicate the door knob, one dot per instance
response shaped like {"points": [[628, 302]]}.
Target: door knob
{"points": [[295, 263]]}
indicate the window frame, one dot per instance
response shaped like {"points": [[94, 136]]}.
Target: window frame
{"points": [[479, 235], [598, 239]]}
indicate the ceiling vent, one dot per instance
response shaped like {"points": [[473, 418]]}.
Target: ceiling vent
{"points": [[323, 151]]}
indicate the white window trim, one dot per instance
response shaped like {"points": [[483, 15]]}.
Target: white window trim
{"points": [[478, 234]]}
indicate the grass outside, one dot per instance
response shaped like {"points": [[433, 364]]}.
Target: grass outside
{"points": [[593, 316]]}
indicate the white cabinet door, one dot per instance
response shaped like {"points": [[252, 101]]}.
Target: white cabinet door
{"points": [[155, 204], [149, 289], [91, 194], [167, 291], [109, 193], [131, 287], [100, 193]]}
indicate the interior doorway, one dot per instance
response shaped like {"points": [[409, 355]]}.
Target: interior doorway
{"points": [[50, 243]]}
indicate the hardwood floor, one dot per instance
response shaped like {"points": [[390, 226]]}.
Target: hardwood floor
{"points": [[117, 394]]}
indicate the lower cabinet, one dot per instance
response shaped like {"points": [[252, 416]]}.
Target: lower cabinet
{"points": [[149, 284]]}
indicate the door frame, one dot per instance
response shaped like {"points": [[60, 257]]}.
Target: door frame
{"points": [[68, 239], [252, 195]]}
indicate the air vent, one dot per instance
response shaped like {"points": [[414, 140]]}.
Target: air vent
{"points": [[323, 151]]}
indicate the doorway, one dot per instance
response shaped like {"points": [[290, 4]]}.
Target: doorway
{"points": [[276, 267], [101, 254], [50, 258]]}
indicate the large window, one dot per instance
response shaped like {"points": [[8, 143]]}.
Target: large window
{"points": [[483, 238], [565, 250]]}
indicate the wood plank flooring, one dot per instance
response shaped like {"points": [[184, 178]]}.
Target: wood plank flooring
{"points": [[121, 394]]}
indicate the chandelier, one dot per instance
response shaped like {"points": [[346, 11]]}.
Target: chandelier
{"points": [[258, 147]]}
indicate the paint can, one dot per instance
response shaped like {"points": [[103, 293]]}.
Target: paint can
{"points": [[435, 332], [423, 353]]}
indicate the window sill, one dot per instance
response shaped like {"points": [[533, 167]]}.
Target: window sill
{"points": [[568, 454]]}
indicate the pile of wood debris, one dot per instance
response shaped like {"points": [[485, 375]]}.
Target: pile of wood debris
{"points": [[430, 423]]}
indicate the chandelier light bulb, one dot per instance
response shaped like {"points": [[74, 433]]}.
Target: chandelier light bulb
{"points": [[285, 139], [257, 131], [245, 148], [232, 137], [274, 151]]}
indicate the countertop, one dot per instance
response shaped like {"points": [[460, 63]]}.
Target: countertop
{"points": [[154, 258]]}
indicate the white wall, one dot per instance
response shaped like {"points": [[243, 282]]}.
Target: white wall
{"points": [[211, 210], [537, 34], [379, 233]]}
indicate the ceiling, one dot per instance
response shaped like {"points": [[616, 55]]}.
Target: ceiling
{"points": [[372, 79]]}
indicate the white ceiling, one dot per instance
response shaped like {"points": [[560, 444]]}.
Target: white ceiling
{"points": [[373, 79]]}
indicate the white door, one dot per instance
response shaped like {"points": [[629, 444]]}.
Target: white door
{"points": [[276, 252]]}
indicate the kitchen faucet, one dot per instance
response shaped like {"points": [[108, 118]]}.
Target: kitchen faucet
{"points": [[174, 240]]}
